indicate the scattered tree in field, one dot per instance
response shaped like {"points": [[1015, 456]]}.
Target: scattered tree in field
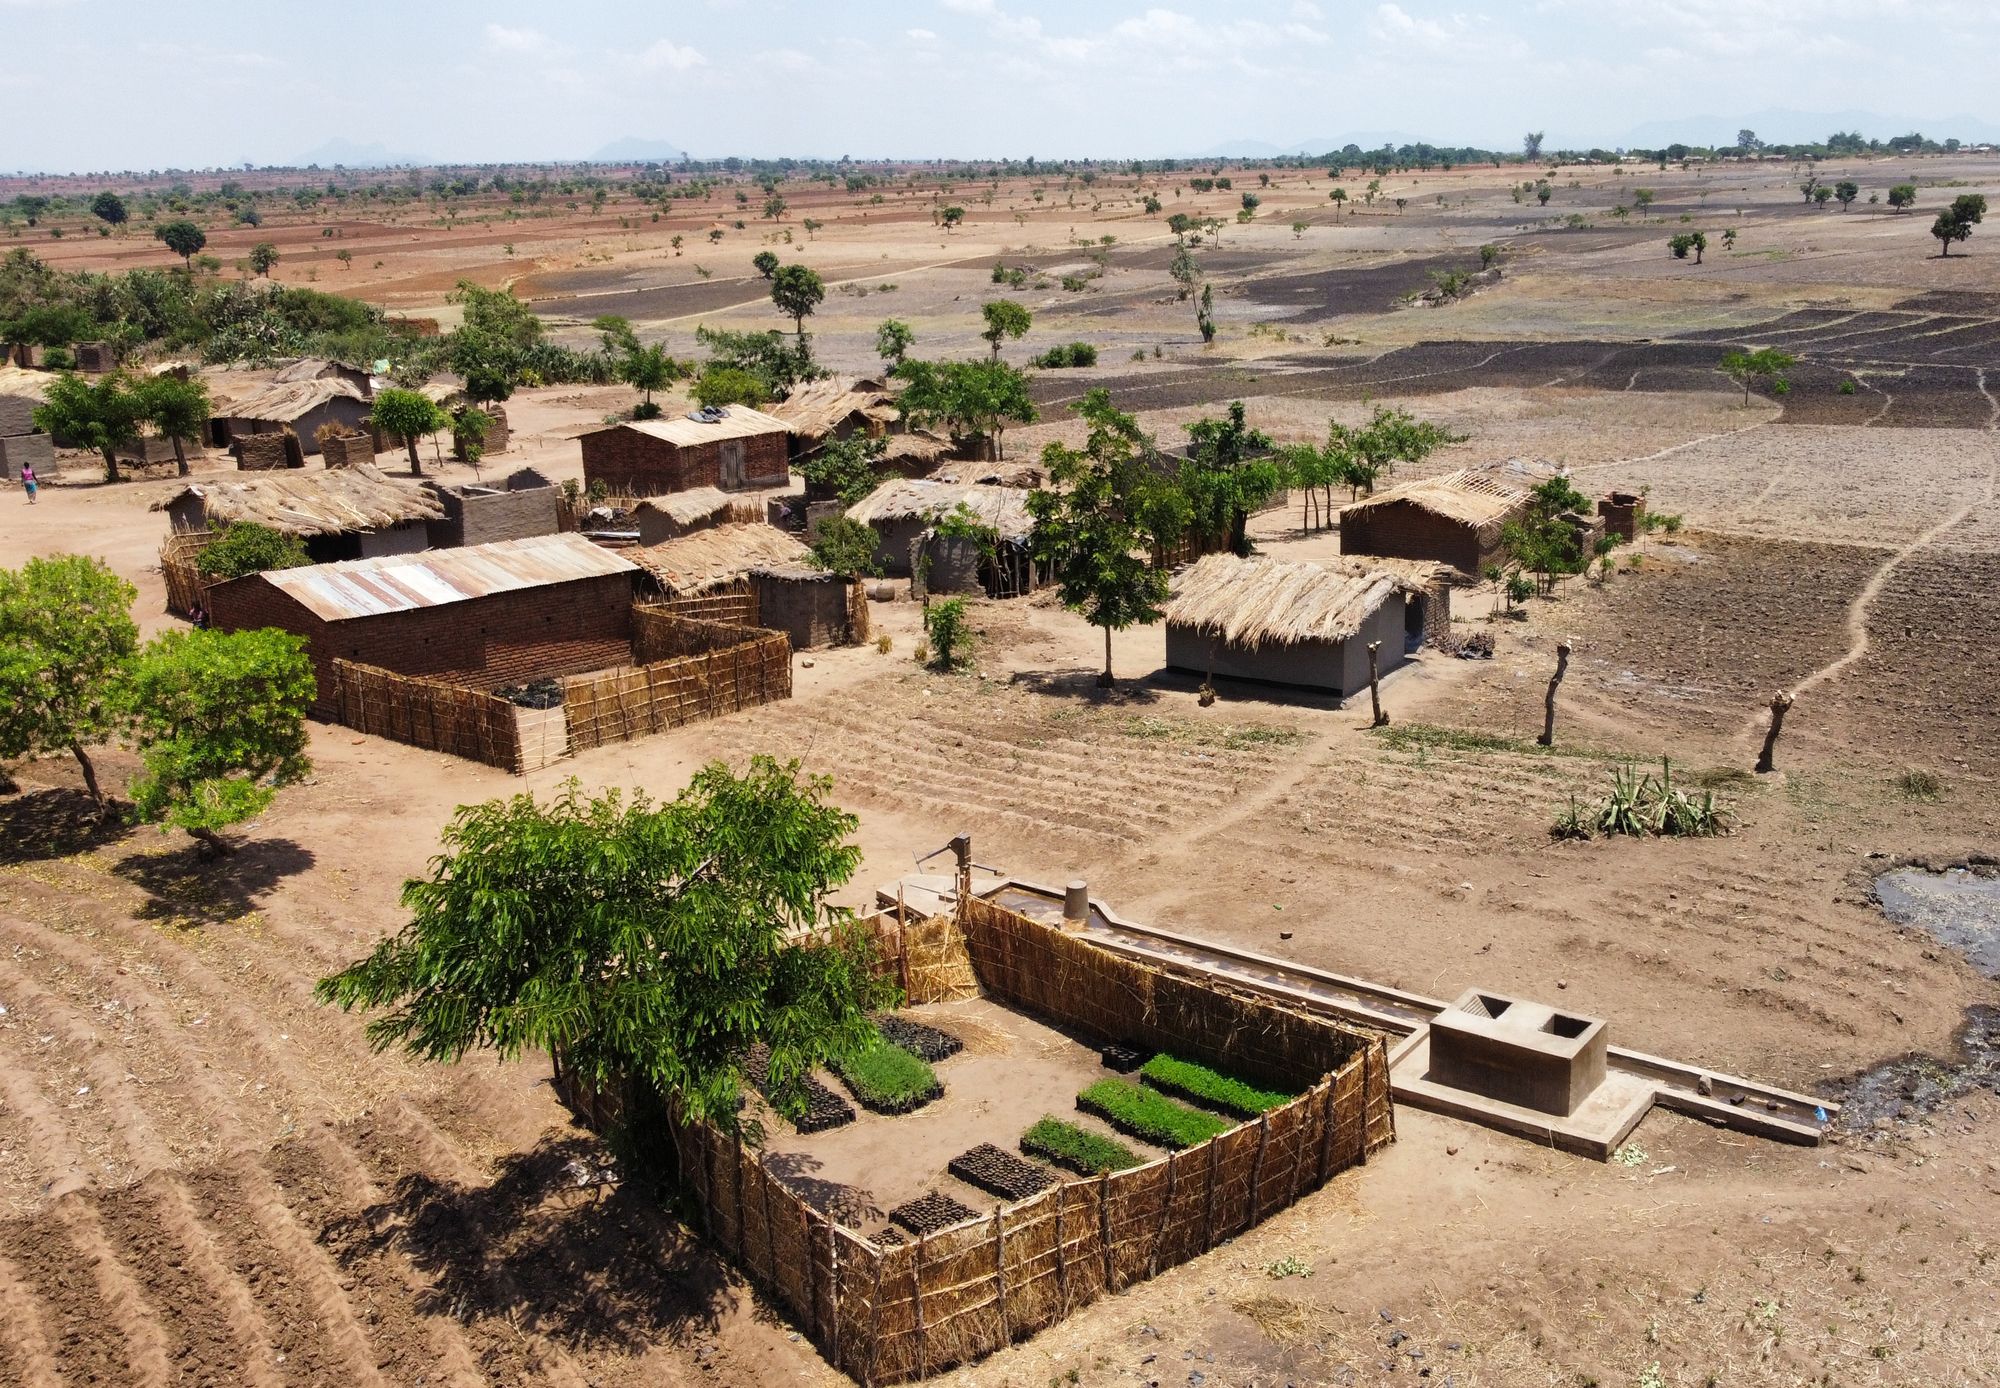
{"points": [[1642, 198], [811, 225], [183, 238], [1180, 224], [1298, 230], [1821, 196], [219, 720], [893, 340], [1151, 204], [1204, 314], [246, 547], [1956, 222], [1810, 186], [1903, 196], [345, 257], [765, 263], [638, 942], [950, 217], [1847, 190], [846, 547], [411, 415], [1004, 319], [647, 369], [1088, 531], [974, 400], [66, 643], [1729, 237], [797, 290], [1251, 202], [1767, 364], [177, 409], [774, 207], [1695, 241], [109, 208], [1531, 146], [1337, 197], [1544, 190], [1184, 270], [103, 415], [263, 256]]}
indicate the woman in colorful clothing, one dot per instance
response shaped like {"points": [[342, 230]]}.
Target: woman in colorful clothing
{"points": [[28, 480]]}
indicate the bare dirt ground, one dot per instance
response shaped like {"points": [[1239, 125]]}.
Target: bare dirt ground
{"points": [[206, 1178]]}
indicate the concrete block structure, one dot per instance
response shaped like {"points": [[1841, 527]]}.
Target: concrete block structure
{"points": [[735, 449], [1519, 1052], [521, 506]]}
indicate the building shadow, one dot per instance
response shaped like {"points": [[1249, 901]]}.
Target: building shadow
{"points": [[189, 885], [54, 823], [550, 1244], [1082, 686]]}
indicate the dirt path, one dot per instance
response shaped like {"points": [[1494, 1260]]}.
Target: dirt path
{"points": [[1672, 449]]}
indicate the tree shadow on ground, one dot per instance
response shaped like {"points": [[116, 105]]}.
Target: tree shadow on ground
{"points": [[190, 886], [846, 1205], [54, 823], [549, 1245], [1082, 685]]}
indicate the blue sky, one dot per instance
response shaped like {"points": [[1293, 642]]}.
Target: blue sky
{"points": [[114, 84]]}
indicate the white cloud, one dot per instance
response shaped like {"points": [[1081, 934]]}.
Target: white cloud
{"points": [[921, 35], [970, 6], [1306, 9], [505, 40], [1394, 24], [671, 57], [787, 60]]}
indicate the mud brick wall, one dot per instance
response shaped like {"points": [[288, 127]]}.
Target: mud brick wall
{"points": [[1621, 513], [1403, 531], [484, 517], [38, 451], [264, 452], [348, 450], [636, 464], [563, 628]]}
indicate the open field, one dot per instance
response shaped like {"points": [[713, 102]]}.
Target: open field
{"points": [[204, 1177]]}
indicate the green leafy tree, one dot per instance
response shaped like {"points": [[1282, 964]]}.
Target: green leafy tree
{"points": [[1903, 196], [1180, 224], [774, 207], [637, 942], [844, 467], [647, 369], [1087, 527], [411, 415], [246, 547], [1226, 476], [1688, 241], [1204, 314], [66, 644], [1544, 190], [1642, 198], [177, 409], [1004, 318], [893, 340], [949, 634], [765, 263], [219, 720], [1767, 364], [263, 256], [183, 238], [1847, 190], [974, 400], [950, 217], [1956, 222], [103, 414], [109, 208], [797, 290], [495, 314], [846, 547], [615, 332], [1822, 195], [729, 385]]}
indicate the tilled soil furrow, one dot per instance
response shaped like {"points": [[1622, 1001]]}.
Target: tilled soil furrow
{"points": [[42, 1158], [26, 1356], [93, 1316], [214, 1336]]}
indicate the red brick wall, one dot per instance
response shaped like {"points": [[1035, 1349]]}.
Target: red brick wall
{"points": [[1403, 531], [563, 628], [632, 463]]}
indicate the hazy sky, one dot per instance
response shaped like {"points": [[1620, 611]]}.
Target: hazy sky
{"points": [[114, 84]]}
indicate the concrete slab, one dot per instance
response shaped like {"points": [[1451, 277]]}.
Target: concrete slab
{"points": [[1596, 1129]]}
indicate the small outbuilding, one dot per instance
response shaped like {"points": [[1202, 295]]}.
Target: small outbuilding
{"points": [[1278, 621], [668, 517], [757, 575], [299, 407], [820, 411], [348, 513], [522, 505], [1454, 519], [905, 515], [734, 448], [534, 608]]}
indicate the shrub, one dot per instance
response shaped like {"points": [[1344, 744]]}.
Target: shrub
{"points": [[1067, 354], [1078, 1150], [950, 635], [886, 1078], [1637, 806], [1148, 1116], [1186, 1080], [1919, 784], [249, 548]]}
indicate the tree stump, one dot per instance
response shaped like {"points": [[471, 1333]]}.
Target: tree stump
{"points": [[1781, 702], [1548, 737], [1375, 683]]}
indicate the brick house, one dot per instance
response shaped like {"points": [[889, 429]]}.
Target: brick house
{"points": [[1453, 519], [736, 449], [485, 615]]}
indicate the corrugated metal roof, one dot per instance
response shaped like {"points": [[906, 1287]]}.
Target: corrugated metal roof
{"points": [[741, 422], [437, 577]]}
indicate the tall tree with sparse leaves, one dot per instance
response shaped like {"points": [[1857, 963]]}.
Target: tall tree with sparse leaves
{"points": [[797, 290]]}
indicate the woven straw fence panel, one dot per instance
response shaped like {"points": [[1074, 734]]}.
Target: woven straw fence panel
{"points": [[439, 717]]}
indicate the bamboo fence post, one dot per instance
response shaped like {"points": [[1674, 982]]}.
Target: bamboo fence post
{"points": [[832, 1292], [1208, 1208], [1166, 1206], [917, 1293], [1386, 1104], [1257, 1168], [1326, 1139], [764, 1184], [1000, 1270], [874, 1323], [742, 1226], [1062, 1260], [1104, 1225], [1299, 1153]]}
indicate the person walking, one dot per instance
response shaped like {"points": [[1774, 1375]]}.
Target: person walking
{"points": [[28, 481]]}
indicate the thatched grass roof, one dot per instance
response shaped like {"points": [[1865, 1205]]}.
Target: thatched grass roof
{"points": [[1262, 601], [1475, 496], [312, 503], [286, 402], [706, 559], [818, 408], [699, 503], [1003, 509]]}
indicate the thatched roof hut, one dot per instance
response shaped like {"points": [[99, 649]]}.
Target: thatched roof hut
{"points": [[1281, 622], [832, 408], [348, 513], [707, 559], [904, 514], [1454, 518], [663, 518], [300, 406]]}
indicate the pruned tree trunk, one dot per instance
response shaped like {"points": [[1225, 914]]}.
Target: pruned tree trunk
{"points": [[1781, 703], [416, 463], [111, 465], [1375, 683], [180, 457], [1548, 737], [1104, 680], [217, 844], [89, 774]]}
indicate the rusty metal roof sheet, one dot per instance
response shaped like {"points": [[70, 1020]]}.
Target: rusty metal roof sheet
{"points": [[437, 577]]}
